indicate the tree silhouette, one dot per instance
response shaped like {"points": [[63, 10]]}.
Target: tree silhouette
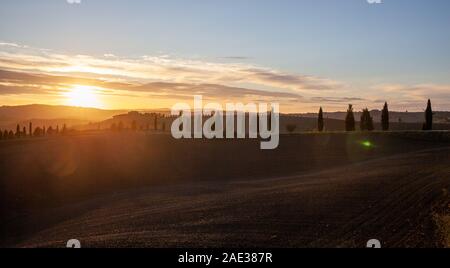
{"points": [[64, 130], [385, 117], [18, 131], [37, 132], [366, 123], [30, 129], [428, 125], [11, 134], [320, 120], [350, 119], [1, 134], [24, 131], [5, 134]]}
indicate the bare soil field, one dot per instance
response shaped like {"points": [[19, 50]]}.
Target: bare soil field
{"points": [[148, 190]]}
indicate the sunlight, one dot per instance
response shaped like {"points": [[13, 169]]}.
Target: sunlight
{"points": [[83, 96]]}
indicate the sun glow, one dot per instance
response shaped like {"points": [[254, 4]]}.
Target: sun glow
{"points": [[83, 96]]}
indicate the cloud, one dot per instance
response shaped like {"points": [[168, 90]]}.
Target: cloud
{"points": [[235, 58], [162, 68], [24, 70], [213, 91], [419, 91], [74, 1], [414, 96], [29, 83], [9, 44], [286, 80], [336, 100]]}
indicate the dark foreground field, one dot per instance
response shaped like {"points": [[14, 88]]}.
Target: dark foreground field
{"points": [[132, 190]]}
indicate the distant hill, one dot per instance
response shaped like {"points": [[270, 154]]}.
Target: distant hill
{"points": [[145, 121], [92, 118], [304, 123], [39, 111], [52, 115]]}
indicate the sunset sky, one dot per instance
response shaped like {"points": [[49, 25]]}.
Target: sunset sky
{"points": [[119, 54]]}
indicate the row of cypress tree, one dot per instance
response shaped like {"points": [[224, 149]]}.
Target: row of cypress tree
{"points": [[366, 122], [37, 132]]}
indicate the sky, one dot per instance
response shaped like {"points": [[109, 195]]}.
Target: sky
{"points": [[304, 54]]}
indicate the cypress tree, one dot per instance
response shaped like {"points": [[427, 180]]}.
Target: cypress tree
{"points": [[30, 129], [320, 120], [366, 123], [37, 131], [428, 125], [350, 119], [385, 117]]}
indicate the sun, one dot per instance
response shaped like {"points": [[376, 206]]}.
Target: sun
{"points": [[83, 96]]}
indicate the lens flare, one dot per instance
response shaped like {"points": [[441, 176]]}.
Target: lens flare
{"points": [[367, 144]]}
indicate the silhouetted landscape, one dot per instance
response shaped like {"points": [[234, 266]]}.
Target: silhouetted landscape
{"points": [[127, 182], [199, 128]]}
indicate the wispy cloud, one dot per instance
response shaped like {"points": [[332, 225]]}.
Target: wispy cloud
{"points": [[24, 83], [27, 70], [6, 44], [337, 100], [415, 95], [417, 92], [156, 68], [74, 1], [236, 58]]}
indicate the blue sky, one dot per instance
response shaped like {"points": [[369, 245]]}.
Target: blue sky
{"points": [[400, 42]]}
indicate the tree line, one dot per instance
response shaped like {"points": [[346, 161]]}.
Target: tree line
{"points": [[23, 132], [155, 125], [366, 121]]}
